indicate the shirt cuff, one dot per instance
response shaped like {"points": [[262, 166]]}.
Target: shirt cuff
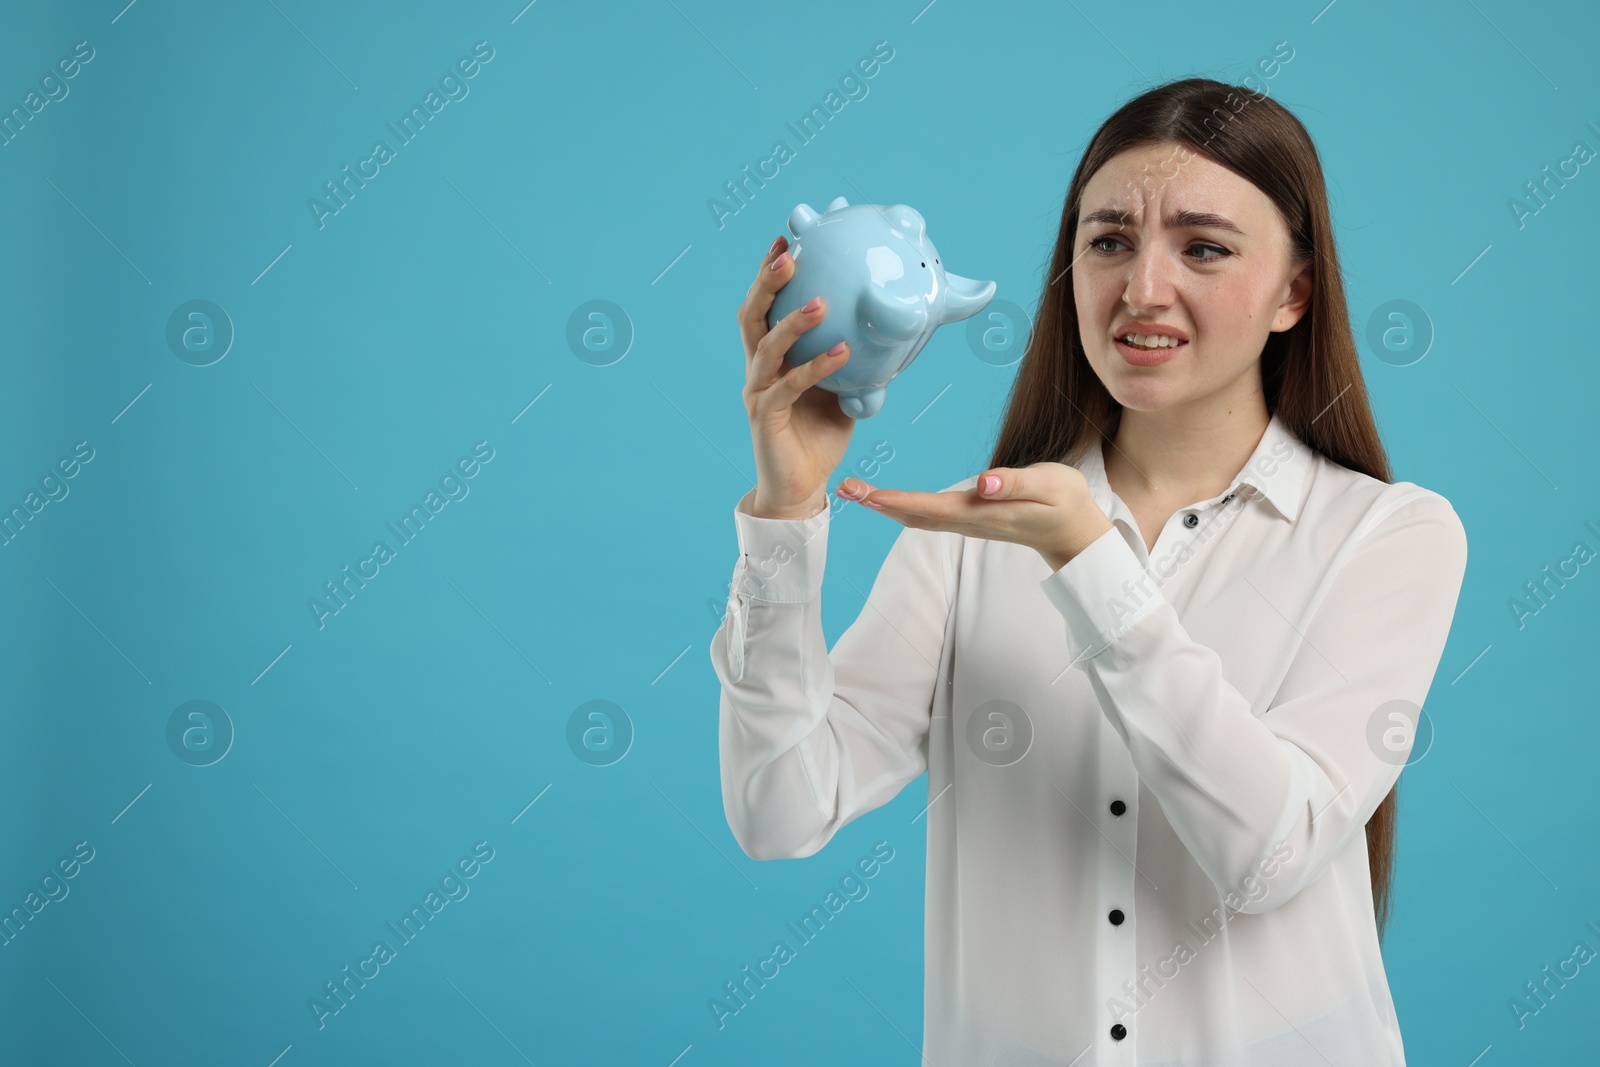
{"points": [[780, 560], [1102, 592]]}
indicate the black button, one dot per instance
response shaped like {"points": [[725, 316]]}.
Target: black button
{"points": [[1227, 498], [1191, 520], [1118, 1031], [1115, 917], [1118, 807]]}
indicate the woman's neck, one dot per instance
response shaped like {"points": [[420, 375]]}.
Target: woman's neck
{"points": [[1181, 456]]}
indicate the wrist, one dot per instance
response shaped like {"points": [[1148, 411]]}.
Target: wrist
{"points": [[1075, 540], [763, 509]]}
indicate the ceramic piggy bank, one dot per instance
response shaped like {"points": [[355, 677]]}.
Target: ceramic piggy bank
{"points": [[886, 292]]}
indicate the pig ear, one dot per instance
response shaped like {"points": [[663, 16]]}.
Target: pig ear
{"points": [[836, 203], [802, 218], [909, 219]]}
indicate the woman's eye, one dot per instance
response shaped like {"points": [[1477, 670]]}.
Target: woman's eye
{"points": [[1220, 253]]}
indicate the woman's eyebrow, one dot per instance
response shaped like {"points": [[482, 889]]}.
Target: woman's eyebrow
{"points": [[1181, 220]]}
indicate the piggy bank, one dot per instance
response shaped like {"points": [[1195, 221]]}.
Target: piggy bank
{"points": [[886, 292]]}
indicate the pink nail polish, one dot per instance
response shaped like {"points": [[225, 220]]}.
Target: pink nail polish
{"points": [[776, 241], [811, 305], [778, 263], [873, 504]]}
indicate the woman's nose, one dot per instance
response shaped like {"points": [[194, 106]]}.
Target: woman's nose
{"points": [[1150, 281]]}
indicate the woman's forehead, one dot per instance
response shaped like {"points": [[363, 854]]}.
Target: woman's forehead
{"points": [[1187, 190]]}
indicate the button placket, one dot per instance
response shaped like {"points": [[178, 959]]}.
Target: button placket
{"points": [[1125, 831]]}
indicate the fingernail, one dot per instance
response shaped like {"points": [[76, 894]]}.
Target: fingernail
{"points": [[778, 263], [991, 484], [775, 243], [872, 504], [813, 304], [836, 349]]}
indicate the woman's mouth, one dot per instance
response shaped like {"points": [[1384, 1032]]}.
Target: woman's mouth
{"points": [[1148, 351]]}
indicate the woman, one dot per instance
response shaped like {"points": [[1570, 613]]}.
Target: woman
{"points": [[1162, 661]]}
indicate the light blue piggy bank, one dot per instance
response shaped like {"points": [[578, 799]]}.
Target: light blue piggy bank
{"points": [[886, 293]]}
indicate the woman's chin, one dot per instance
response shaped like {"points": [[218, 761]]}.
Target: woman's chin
{"points": [[1139, 392]]}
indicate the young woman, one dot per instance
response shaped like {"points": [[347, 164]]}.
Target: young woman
{"points": [[1162, 661]]}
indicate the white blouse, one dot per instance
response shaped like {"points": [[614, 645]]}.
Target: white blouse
{"points": [[1148, 772]]}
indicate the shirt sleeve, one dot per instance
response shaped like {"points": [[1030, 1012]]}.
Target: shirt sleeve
{"points": [[811, 739], [1310, 771]]}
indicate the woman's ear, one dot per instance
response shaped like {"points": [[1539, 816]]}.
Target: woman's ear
{"points": [[1299, 299]]}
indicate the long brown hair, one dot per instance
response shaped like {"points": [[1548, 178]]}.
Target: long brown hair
{"points": [[1058, 408]]}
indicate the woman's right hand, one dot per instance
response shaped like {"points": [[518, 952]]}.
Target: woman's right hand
{"points": [[798, 431]]}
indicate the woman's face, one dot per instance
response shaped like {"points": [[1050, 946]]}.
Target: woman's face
{"points": [[1170, 239]]}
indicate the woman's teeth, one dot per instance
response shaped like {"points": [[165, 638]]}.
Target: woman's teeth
{"points": [[1141, 341]]}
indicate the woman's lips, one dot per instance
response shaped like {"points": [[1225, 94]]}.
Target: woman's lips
{"points": [[1148, 357]]}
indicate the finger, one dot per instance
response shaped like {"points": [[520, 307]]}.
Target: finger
{"points": [[767, 363], [918, 511], [797, 380], [1006, 483], [904, 503], [758, 301], [860, 491], [853, 489]]}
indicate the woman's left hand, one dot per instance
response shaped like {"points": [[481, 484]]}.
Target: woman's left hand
{"points": [[1047, 507]]}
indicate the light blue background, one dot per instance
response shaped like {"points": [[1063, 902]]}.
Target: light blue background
{"points": [[591, 556]]}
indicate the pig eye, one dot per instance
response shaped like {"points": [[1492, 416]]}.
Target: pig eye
{"points": [[924, 264]]}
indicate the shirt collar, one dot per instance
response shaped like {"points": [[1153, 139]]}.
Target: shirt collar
{"points": [[1276, 471]]}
